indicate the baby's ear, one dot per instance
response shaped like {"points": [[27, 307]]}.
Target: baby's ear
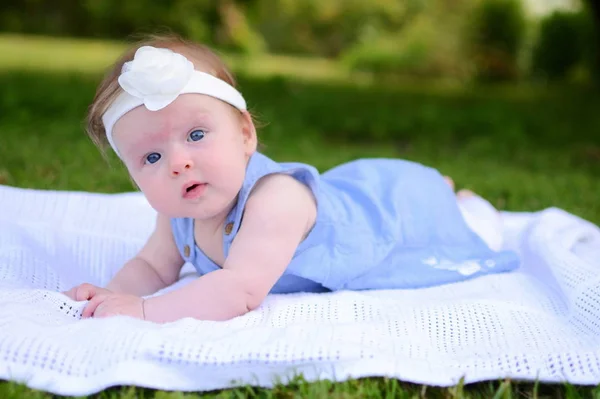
{"points": [[249, 132]]}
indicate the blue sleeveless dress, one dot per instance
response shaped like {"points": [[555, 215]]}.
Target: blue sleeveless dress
{"points": [[381, 224]]}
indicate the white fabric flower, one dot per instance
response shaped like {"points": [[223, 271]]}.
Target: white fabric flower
{"points": [[156, 76]]}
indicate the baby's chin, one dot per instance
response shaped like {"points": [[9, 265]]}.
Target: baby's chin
{"points": [[179, 214], [197, 214]]}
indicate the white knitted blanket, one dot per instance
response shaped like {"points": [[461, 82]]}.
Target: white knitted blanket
{"points": [[541, 322]]}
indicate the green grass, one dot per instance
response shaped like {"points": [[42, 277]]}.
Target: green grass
{"points": [[524, 148], [93, 56], [524, 153], [368, 388]]}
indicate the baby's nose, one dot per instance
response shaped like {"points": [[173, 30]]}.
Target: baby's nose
{"points": [[180, 166]]}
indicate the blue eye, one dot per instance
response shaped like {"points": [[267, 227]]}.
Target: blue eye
{"points": [[196, 135], [152, 157]]}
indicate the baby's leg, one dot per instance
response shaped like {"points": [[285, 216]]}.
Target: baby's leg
{"points": [[481, 216]]}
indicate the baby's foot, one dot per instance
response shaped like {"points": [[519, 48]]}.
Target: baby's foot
{"points": [[449, 181], [464, 193]]}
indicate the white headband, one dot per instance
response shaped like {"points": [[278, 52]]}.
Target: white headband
{"points": [[155, 78]]}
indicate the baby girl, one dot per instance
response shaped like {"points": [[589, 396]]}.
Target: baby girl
{"points": [[252, 226]]}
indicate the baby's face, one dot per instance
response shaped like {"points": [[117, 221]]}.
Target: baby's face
{"points": [[189, 158]]}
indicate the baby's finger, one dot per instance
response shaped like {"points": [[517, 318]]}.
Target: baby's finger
{"points": [[90, 308], [85, 291]]}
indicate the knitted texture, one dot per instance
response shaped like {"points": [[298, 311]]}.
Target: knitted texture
{"points": [[539, 322]]}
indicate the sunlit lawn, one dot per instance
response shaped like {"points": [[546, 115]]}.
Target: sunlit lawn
{"points": [[93, 56], [524, 149]]}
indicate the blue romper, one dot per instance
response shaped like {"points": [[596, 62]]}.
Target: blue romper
{"points": [[381, 224]]}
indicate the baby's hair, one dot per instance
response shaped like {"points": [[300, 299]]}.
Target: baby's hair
{"points": [[203, 58]]}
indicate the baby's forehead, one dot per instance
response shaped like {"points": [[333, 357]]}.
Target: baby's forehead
{"points": [[187, 111]]}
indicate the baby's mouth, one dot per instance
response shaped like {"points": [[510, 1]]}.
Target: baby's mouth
{"points": [[193, 190], [190, 188]]}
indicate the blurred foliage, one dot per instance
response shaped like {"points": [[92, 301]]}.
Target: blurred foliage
{"points": [[457, 39], [563, 46], [220, 23], [329, 27], [496, 36], [429, 45]]}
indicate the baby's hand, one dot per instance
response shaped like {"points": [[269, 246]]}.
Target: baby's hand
{"points": [[106, 305], [85, 292]]}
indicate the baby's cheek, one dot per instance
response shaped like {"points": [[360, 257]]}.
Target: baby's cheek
{"points": [[156, 193], [232, 175], [160, 200]]}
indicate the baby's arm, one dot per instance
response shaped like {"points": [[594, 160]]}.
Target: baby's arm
{"points": [[156, 266], [278, 214]]}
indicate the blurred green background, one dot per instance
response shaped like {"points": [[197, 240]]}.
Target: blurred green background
{"points": [[499, 94], [498, 40]]}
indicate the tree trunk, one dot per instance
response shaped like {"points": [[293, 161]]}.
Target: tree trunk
{"points": [[594, 6], [594, 9]]}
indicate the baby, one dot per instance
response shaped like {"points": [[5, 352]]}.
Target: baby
{"points": [[252, 226]]}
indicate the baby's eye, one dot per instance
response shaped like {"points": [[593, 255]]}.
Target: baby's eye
{"points": [[196, 135], [152, 157]]}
